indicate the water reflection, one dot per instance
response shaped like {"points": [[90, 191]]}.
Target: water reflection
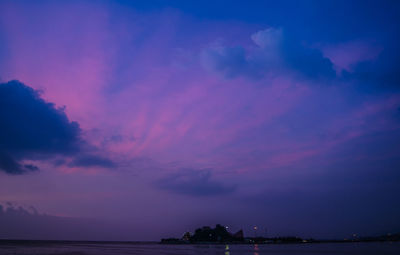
{"points": [[227, 250], [256, 249]]}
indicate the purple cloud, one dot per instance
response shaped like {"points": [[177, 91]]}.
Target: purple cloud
{"points": [[193, 182]]}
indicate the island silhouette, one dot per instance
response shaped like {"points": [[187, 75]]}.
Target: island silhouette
{"points": [[220, 234]]}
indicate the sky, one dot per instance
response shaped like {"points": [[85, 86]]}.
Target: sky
{"points": [[139, 120]]}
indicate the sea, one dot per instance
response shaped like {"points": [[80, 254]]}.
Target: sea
{"points": [[108, 248]]}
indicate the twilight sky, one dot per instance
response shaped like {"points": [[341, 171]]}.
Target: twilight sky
{"points": [[128, 120]]}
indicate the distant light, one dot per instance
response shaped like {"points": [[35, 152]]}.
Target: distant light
{"points": [[255, 227]]}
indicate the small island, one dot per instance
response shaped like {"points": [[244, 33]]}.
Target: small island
{"points": [[220, 235], [206, 234]]}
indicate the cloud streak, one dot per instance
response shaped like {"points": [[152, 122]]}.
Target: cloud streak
{"points": [[193, 182]]}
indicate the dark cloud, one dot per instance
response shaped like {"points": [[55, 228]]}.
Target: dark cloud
{"points": [[9, 165], [307, 61], [31, 128], [31, 167], [275, 51], [194, 183], [90, 161], [28, 123], [278, 51]]}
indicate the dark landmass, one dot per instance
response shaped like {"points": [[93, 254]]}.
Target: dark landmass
{"points": [[220, 234]]}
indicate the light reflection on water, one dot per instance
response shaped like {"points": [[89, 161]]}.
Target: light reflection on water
{"points": [[227, 250], [256, 249], [158, 249]]}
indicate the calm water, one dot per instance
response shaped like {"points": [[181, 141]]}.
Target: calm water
{"points": [[146, 249]]}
